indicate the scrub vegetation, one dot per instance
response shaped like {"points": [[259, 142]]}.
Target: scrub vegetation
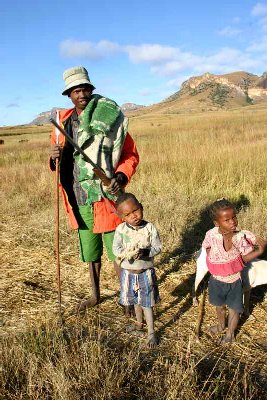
{"points": [[187, 162]]}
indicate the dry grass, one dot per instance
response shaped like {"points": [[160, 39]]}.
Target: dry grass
{"points": [[186, 162]]}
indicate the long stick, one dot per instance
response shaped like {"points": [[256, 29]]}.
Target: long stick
{"points": [[200, 314], [57, 242]]}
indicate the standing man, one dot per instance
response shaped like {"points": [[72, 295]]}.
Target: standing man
{"points": [[99, 127]]}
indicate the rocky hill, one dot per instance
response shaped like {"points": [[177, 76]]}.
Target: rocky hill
{"points": [[130, 107], [43, 117], [210, 92]]}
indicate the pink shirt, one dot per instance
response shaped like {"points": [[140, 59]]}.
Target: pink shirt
{"points": [[224, 263]]}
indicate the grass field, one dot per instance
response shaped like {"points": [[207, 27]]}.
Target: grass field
{"points": [[187, 161]]}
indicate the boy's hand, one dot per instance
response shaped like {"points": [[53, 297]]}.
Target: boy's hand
{"points": [[142, 253], [139, 254]]}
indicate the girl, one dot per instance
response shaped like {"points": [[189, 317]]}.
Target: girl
{"points": [[227, 250]]}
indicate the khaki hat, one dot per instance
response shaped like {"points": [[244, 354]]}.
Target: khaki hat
{"points": [[74, 77]]}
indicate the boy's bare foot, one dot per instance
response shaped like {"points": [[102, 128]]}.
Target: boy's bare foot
{"points": [[151, 341], [215, 329], [91, 302], [129, 311]]}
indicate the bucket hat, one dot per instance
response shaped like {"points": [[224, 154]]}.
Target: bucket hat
{"points": [[74, 77]]}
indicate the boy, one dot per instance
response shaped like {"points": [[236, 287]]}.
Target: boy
{"points": [[135, 244]]}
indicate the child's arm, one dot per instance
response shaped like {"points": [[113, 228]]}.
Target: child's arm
{"points": [[260, 244], [117, 246]]}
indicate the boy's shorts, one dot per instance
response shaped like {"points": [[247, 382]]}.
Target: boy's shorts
{"points": [[231, 294], [91, 244], [139, 288]]}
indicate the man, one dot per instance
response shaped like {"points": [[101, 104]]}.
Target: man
{"points": [[99, 127]]}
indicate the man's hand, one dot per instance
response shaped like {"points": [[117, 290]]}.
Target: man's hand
{"points": [[55, 151], [117, 183]]}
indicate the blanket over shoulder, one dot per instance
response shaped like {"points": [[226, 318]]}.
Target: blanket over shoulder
{"points": [[101, 134]]}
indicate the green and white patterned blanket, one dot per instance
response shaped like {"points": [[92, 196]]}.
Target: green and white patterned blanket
{"points": [[101, 134]]}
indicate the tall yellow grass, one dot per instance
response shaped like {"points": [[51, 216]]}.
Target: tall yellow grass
{"points": [[186, 162]]}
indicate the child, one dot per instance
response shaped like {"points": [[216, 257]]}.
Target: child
{"points": [[135, 244], [227, 250]]}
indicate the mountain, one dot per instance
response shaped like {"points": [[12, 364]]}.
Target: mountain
{"points": [[210, 92], [130, 107], [43, 117]]}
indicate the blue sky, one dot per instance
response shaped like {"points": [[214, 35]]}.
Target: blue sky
{"points": [[137, 51]]}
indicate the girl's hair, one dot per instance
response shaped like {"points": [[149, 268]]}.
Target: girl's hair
{"points": [[124, 197], [219, 205]]}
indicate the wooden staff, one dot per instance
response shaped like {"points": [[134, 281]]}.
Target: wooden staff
{"points": [[200, 313], [57, 236]]}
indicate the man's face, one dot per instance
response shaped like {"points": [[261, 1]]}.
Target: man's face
{"points": [[80, 96]]}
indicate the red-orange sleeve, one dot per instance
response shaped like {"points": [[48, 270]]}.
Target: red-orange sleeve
{"points": [[129, 158]]}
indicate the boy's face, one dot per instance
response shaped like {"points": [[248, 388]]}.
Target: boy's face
{"points": [[131, 212], [226, 220]]}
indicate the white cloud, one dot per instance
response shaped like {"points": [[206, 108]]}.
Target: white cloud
{"points": [[259, 9], [229, 31], [75, 48], [108, 47], [259, 46], [151, 53], [172, 62]]}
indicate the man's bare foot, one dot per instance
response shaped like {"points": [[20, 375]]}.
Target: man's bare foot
{"points": [[91, 302], [151, 341], [215, 329]]}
